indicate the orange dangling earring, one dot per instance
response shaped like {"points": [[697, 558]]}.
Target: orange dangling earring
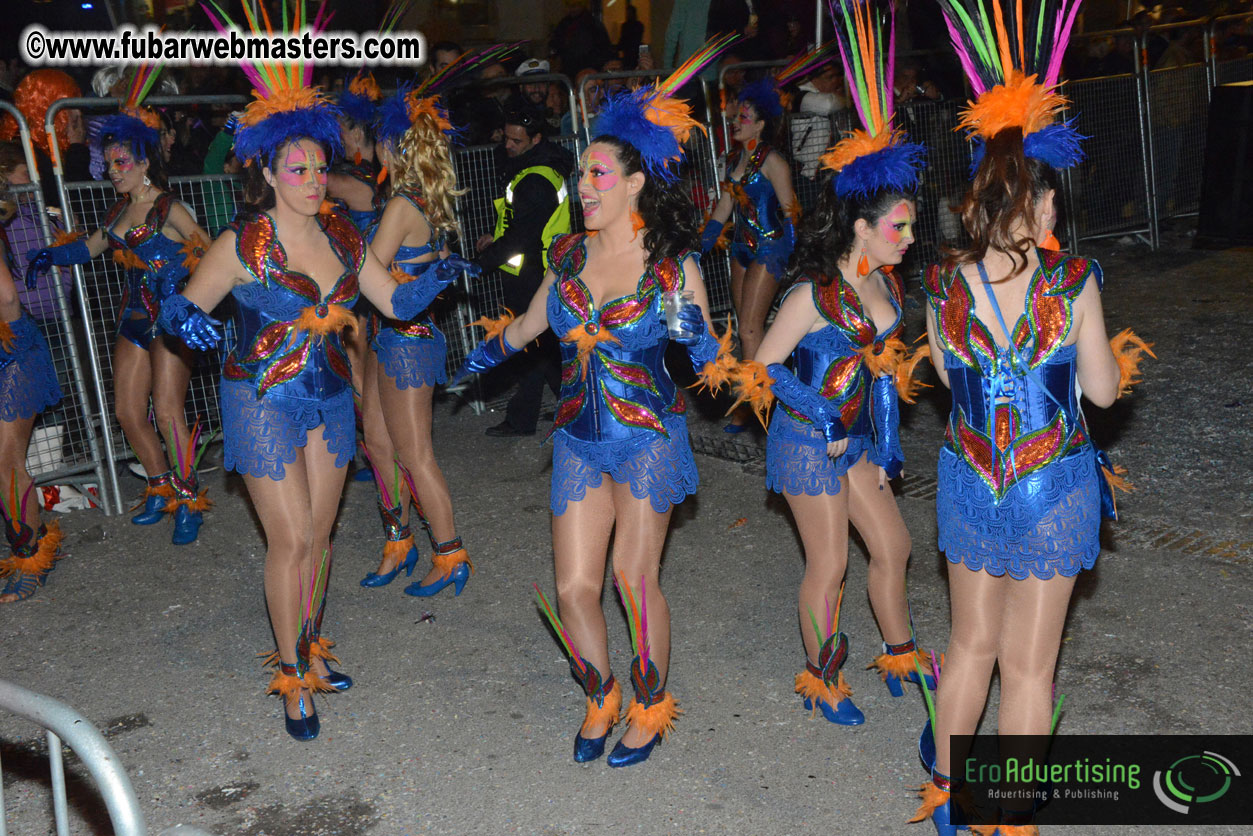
{"points": [[1050, 242], [637, 223], [863, 266]]}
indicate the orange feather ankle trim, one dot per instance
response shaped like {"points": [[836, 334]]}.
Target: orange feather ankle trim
{"points": [[447, 563], [901, 665], [813, 689], [285, 685], [200, 503], [320, 648], [606, 715], [396, 550], [658, 718], [932, 799], [40, 562]]}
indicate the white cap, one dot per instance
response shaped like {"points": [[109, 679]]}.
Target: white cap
{"points": [[531, 66]]}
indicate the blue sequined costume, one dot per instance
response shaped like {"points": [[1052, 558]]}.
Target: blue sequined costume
{"points": [[618, 411], [287, 371], [28, 381], [757, 215], [832, 363], [365, 172], [1018, 490], [161, 275], [413, 353]]}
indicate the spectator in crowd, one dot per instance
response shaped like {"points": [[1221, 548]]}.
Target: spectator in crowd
{"points": [[822, 96], [913, 84], [589, 105], [532, 208], [532, 95], [580, 41], [686, 34], [480, 107], [1154, 43], [610, 86], [630, 38], [35, 93], [444, 53]]}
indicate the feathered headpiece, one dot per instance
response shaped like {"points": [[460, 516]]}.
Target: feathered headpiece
{"points": [[1013, 61], [285, 107], [767, 95], [877, 156], [360, 98], [135, 126], [655, 123], [399, 112]]}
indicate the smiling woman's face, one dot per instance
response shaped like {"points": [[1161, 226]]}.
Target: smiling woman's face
{"points": [[299, 176], [125, 172], [605, 191]]}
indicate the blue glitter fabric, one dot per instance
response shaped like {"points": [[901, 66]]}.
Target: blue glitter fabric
{"points": [[164, 275], [413, 353], [828, 361], [658, 469], [618, 411], [260, 435], [279, 380], [28, 381], [759, 220], [1018, 490]]}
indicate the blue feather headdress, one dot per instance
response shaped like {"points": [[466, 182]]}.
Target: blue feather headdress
{"points": [[879, 156], [360, 98], [285, 107], [767, 95], [764, 95], [135, 127], [655, 123]]}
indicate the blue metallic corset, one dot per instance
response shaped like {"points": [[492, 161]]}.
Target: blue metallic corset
{"points": [[758, 215], [163, 273], [614, 382], [820, 355]]}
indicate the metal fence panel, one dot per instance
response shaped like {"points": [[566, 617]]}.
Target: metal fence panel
{"points": [[1109, 190], [1178, 107], [63, 445], [944, 181], [1235, 70]]}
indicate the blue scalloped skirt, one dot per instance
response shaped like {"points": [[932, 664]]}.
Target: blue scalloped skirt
{"points": [[658, 469], [412, 362], [260, 436], [1047, 524], [797, 462], [28, 380]]}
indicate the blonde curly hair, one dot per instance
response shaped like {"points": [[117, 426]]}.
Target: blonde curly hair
{"points": [[425, 166]]}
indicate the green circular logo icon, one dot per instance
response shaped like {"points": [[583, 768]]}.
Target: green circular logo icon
{"points": [[1194, 779]]}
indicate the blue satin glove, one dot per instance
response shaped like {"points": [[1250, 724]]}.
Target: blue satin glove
{"points": [[885, 417], [693, 322], [184, 319], [412, 298], [775, 255], [38, 262], [486, 355], [709, 235], [806, 401]]}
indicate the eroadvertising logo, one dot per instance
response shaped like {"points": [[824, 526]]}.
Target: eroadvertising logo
{"points": [[1194, 779]]}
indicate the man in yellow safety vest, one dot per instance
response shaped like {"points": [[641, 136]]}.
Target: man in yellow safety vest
{"points": [[532, 209]]}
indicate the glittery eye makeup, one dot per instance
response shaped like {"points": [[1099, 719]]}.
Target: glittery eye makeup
{"points": [[601, 171], [296, 169], [119, 161], [898, 224]]}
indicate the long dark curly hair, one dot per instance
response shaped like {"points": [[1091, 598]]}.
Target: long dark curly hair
{"points": [[667, 209], [826, 235]]}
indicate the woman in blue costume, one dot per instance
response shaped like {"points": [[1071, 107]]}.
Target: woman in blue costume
{"points": [[28, 386], [1016, 331], [621, 456], [157, 242], [287, 400], [833, 442], [758, 193], [409, 357]]}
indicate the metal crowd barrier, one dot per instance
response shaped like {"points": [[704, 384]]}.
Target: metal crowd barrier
{"points": [[63, 723], [63, 446], [1228, 70], [101, 282]]}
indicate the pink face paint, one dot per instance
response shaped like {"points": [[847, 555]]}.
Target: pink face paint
{"points": [[897, 226], [118, 161], [601, 171], [303, 167], [746, 117]]}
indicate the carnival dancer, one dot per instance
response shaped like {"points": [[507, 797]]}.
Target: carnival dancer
{"points": [[1016, 331], [28, 386], [287, 401], [758, 192], [833, 443], [621, 456], [408, 357], [157, 242]]}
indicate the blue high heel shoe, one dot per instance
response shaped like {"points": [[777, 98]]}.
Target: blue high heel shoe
{"points": [[156, 496], [845, 713], [411, 560], [454, 564], [653, 708], [186, 526], [947, 816], [307, 725], [589, 748], [623, 755], [604, 704], [338, 681], [825, 679], [896, 666]]}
